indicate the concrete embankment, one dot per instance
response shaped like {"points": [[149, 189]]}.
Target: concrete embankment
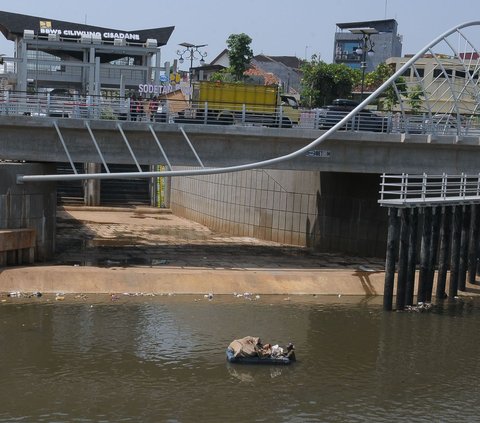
{"points": [[152, 251], [81, 279]]}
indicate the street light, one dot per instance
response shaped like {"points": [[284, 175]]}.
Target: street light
{"points": [[192, 52], [364, 49]]}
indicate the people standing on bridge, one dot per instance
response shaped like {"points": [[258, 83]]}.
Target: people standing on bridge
{"points": [[153, 106], [133, 107], [141, 107]]}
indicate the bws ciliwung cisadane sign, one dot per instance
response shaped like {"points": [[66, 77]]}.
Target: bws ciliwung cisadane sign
{"points": [[46, 28]]}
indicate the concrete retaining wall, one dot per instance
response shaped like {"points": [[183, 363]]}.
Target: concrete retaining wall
{"points": [[330, 212], [265, 204], [30, 205]]}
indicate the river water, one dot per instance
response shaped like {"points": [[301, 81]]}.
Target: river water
{"points": [[162, 359]]}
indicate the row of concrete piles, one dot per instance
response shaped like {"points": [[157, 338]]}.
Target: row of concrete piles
{"points": [[441, 240]]}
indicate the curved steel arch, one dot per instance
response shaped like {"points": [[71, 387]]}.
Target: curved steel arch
{"points": [[469, 61]]}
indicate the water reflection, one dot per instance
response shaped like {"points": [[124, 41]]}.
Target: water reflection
{"points": [[248, 374], [163, 360], [162, 337]]}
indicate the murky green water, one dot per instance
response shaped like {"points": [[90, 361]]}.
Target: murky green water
{"points": [[162, 359]]}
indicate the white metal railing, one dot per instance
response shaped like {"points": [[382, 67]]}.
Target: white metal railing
{"points": [[186, 112], [406, 190]]}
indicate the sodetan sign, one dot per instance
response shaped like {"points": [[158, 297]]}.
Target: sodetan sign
{"points": [[153, 89], [156, 89]]}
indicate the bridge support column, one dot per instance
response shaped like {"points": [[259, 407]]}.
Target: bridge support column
{"points": [[444, 253], [464, 241], [455, 257], [392, 242], [412, 256], [424, 255], [433, 252], [92, 186], [473, 244], [403, 259]]}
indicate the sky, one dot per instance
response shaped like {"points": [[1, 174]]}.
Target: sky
{"points": [[277, 27]]}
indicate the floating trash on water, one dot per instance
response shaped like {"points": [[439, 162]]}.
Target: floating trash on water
{"points": [[109, 262], [420, 307], [59, 297], [156, 262], [257, 297], [365, 268]]}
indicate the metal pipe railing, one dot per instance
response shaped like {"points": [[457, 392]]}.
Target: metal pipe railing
{"points": [[406, 190], [184, 112]]}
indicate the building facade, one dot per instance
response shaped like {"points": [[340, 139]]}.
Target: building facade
{"points": [[383, 42], [87, 59], [437, 77]]}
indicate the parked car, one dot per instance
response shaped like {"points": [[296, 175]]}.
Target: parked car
{"points": [[365, 120], [60, 103]]}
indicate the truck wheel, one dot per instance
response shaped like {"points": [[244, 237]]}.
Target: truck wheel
{"points": [[286, 122], [225, 118]]}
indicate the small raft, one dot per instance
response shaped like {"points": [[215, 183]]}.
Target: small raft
{"points": [[256, 359], [250, 350]]}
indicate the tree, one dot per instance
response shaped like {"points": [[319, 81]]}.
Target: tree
{"points": [[223, 75], [322, 82], [239, 54], [374, 79], [415, 99]]}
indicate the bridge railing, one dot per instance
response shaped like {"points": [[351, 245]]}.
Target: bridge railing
{"points": [[185, 112], [406, 190]]}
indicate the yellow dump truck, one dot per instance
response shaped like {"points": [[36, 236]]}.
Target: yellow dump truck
{"points": [[230, 103]]}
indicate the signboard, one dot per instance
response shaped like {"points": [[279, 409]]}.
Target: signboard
{"points": [[319, 153], [47, 28], [154, 89]]}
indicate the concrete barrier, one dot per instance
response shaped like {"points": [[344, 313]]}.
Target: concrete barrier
{"points": [[17, 246]]}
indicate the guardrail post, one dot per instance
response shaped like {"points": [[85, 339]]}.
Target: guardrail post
{"points": [[317, 121], [205, 116], [404, 188], [424, 186], [382, 187], [443, 190]]}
